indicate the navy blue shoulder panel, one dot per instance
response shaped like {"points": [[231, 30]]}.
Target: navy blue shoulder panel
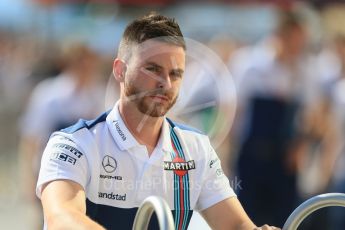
{"points": [[86, 124], [184, 127]]}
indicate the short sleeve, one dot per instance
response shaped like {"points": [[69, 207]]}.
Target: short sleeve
{"points": [[215, 185], [62, 159]]}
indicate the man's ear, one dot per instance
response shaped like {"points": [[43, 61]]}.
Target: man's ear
{"points": [[119, 69]]}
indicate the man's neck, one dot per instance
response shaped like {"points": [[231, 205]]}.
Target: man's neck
{"points": [[144, 128]]}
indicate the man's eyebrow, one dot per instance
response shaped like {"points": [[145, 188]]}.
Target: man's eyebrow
{"points": [[153, 64], [178, 70]]}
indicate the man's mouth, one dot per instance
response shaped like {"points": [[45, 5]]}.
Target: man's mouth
{"points": [[160, 97]]}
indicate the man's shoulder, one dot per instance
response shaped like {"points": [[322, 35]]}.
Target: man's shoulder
{"points": [[79, 136], [85, 124]]}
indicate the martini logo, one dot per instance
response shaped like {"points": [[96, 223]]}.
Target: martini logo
{"points": [[179, 166]]}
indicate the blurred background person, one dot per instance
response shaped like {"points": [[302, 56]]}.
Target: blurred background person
{"points": [[57, 103], [337, 163], [324, 163], [272, 92]]}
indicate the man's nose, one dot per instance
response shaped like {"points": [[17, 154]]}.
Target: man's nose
{"points": [[165, 82]]}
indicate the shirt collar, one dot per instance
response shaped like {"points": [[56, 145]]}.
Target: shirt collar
{"points": [[165, 139], [119, 130], [124, 137]]}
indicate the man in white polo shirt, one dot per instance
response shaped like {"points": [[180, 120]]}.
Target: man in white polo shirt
{"points": [[95, 174]]}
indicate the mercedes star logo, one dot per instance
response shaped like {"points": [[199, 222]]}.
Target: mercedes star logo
{"points": [[109, 164]]}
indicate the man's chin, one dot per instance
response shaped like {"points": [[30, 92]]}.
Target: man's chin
{"points": [[154, 109], [157, 112]]}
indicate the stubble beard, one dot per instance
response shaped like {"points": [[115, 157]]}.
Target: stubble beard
{"points": [[145, 104]]}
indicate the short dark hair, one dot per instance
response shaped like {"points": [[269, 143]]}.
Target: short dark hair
{"points": [[151, 26]]}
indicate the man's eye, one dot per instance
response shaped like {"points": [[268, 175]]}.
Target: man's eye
{"points": [[152, 69]]}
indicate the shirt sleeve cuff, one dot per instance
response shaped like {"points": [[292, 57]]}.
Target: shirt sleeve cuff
{"points": [[216, 199], [60, 177]]}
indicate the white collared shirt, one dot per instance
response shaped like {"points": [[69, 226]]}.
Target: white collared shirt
{"points": [[117, 173]]}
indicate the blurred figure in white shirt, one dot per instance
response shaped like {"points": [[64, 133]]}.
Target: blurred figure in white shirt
{"points": [[274, 85], [56, 103]]}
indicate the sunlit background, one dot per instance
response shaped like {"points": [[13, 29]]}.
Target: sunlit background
{"points": [[280, 134]]}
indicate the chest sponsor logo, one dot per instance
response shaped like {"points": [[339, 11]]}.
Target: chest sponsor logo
{"points": [[179, 166], [112, 196], [109, 164], [110, 177], [119, 131], [63, 157]]}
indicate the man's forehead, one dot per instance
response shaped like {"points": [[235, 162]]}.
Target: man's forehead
{"points": [[151, 48]]}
